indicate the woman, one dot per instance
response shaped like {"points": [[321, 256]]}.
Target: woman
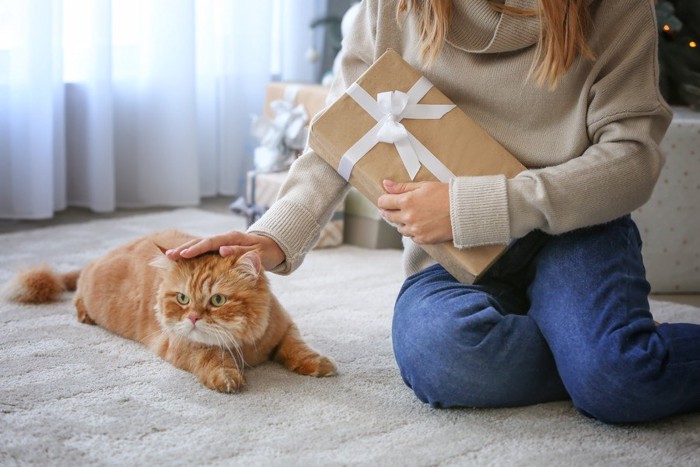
{"points": [[570, 88]]}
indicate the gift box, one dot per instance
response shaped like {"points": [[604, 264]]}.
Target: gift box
{"points": [[365, 227], [261, 192], [409, 131], [669, 222], [282, 128]]}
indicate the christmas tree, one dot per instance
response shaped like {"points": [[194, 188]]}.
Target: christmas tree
{"points": [[679, 51]]}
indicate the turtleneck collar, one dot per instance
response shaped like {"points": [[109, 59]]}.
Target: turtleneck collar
{"points": [[477, 28]]}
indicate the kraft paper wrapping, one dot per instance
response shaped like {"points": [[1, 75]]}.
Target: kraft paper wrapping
{"points": [[455, 139]]}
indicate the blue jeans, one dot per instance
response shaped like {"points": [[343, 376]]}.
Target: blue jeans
{"points": [[556, 317]]}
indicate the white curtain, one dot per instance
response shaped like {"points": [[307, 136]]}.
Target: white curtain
{"points": [[135, 103]]}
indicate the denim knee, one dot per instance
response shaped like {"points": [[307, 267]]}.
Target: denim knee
{"points": [[470, 355], [602, 393], [616, 387], [425, 352]]}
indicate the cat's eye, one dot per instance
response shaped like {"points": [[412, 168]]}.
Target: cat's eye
{"points": [[217, 300], [182, 299]]}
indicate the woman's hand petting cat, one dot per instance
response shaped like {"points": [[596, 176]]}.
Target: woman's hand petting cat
{"points": [[232, 243], [419, 210]]}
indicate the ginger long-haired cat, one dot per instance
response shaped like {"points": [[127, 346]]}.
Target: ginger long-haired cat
{"points": [[208, 315]]}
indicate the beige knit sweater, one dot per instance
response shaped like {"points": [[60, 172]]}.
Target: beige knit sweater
{"points": [[590, 146]]}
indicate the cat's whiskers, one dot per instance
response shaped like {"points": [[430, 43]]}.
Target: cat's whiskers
{"points": [[224, 347], [233, 343], [240, 361], [227, 336]]}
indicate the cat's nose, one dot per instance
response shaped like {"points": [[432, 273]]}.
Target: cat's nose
{"points": [[194, 319]]}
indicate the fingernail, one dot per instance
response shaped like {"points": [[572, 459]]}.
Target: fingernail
{"points": [[184, 251], [388, 183], [168, 252]]}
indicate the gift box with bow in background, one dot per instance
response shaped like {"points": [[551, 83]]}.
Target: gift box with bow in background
{"points": [[311, 96], [409, 131], [282, 128]]}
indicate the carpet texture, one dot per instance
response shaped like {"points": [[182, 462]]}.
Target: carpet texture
{"points": [[73, 394]]}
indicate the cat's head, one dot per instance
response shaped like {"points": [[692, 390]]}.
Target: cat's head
{"points": [[213, 300]]}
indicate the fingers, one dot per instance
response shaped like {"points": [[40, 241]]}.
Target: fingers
{"points": [[237, 250], [393, 198], [393, 187], [176, 253], [419, 210], [390, 202], [202, 246], [270, 253], [199, 246], [232, 244], [394, 218], [404, 230]]}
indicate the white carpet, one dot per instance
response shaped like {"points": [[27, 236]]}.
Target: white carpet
{"points": [[73, 394]]}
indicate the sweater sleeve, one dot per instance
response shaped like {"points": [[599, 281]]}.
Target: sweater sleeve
{"points": [[313, 188], [626, 120]]}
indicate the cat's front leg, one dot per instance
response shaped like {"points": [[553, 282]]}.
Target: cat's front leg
{"points": [[296, 355], [215, 368]]}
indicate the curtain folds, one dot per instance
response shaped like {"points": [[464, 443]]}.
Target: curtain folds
{"points": [[135, 103]]}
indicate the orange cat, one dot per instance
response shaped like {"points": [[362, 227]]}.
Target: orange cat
{"points": [[209, 315]]}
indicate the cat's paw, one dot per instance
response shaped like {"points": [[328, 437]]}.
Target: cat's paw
{"points": [[318, 366], [225, 380]]}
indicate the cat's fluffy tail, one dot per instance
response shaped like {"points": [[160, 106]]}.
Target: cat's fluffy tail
{"points": [[39, 285]]}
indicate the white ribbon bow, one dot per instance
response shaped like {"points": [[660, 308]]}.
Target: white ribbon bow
{"points": [[290, 121], [281, 136], [388, 110]]}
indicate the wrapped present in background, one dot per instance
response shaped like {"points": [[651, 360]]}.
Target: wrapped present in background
{"points": [[410, 131], [669, 222], [282, 129], [364, 225], [261, 191]]}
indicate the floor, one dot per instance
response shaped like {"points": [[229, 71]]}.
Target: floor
{"points": [[218, 204], [74, 215]]}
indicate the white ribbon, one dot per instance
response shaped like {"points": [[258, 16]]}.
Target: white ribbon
{"points": [[388, 110]]}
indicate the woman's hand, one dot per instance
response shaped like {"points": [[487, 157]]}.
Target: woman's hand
{"points": [[420, 210], [232, 243]]}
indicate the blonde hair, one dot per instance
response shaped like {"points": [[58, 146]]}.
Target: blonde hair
{"points": [[563, 30]]}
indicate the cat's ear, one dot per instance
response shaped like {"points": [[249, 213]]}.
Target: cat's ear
{"points": [[161, 261], [250, 264], [162, 250]]}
